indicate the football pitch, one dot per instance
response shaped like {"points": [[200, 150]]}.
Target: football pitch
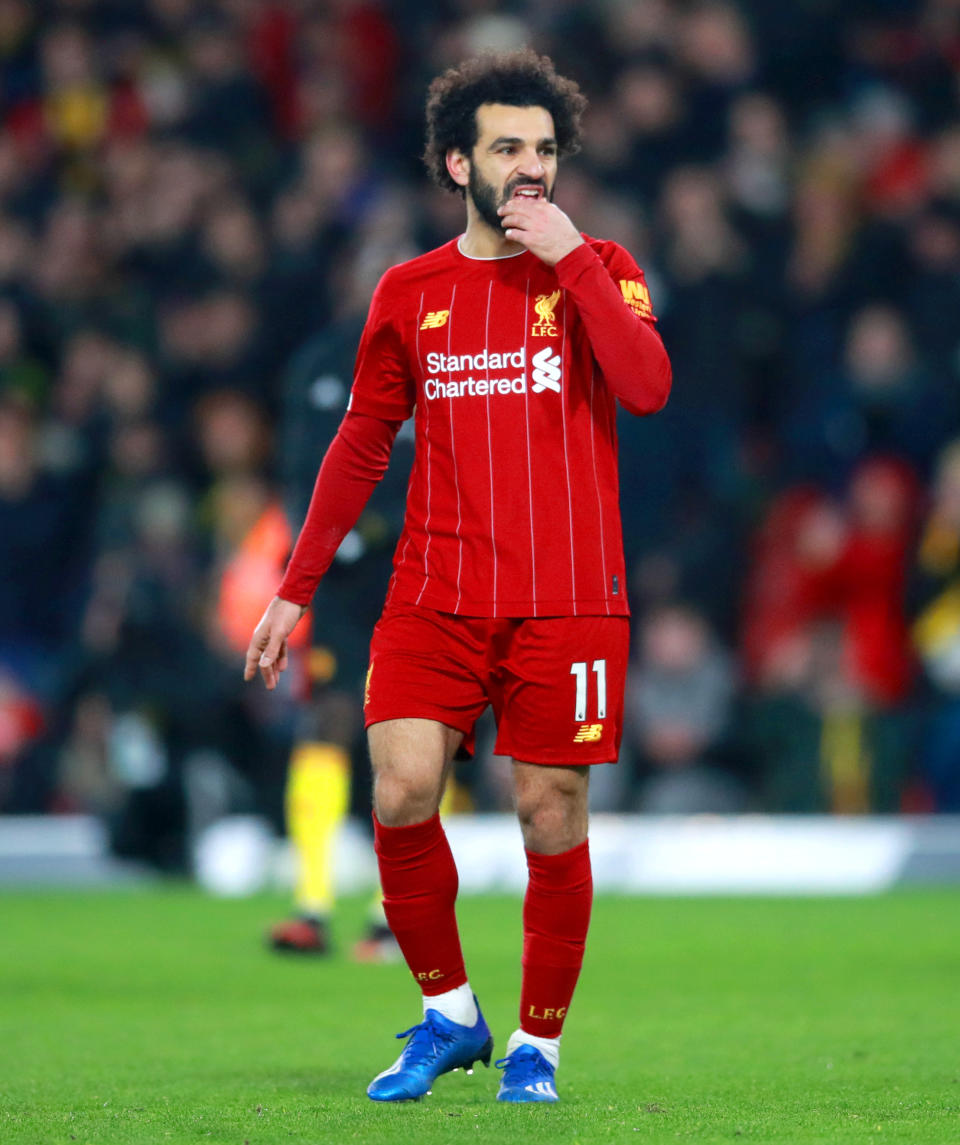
{"points": [[159, 1016]]}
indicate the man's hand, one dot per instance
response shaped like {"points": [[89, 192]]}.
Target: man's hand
{"points": [[268, 645], [541, 227]]}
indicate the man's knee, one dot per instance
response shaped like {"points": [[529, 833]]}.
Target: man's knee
{"points": [[551, 805], [409, 758], [544, 810], [404, 795]]}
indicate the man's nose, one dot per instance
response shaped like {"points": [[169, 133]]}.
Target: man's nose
{"points": [[532, 165]]}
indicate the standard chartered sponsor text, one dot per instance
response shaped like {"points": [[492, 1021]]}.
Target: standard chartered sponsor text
{"points": [[447, 385]]}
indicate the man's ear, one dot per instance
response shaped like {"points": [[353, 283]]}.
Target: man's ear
{"points": [[458, 167]]}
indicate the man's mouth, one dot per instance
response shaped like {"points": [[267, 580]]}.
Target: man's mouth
{"points": [[528, 191]]}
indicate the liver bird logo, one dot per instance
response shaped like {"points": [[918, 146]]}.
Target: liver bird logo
{"points": [[545, 306]]}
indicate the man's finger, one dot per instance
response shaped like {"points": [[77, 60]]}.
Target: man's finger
{"points": [[269, 660], [253, 657]]}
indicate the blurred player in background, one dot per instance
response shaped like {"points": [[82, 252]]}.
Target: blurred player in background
{"points": [[512, 344], [316, 803], [321, 784]]}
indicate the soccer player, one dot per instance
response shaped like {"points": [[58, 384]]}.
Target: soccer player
{"points": [[512, 345]]}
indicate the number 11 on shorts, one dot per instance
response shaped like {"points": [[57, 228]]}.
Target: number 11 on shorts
{"points": [[579, 669]]}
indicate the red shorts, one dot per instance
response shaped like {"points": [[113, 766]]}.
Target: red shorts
{"points": [[555, 683]]}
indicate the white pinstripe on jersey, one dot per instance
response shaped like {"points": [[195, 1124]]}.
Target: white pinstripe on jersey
{"points": [[564, 399], [453, 456], [596, 482], [526, 414], [493, 530]]}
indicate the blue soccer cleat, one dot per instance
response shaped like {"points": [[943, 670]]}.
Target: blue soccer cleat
{"points": [[436, 1046], [527, 1076]]}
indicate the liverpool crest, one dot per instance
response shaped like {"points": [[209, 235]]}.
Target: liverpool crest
{"points": [[546, 324]]}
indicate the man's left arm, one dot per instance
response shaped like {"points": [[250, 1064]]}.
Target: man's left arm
{"points": [[627, 348]]}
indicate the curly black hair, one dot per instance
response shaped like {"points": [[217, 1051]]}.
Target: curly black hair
{"points": [[517, 79]]}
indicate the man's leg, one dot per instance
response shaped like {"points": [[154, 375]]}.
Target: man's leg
{"points": [[551, 805], [410, 759]]}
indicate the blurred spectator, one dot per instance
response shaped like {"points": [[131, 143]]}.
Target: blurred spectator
{"points": [[21, 376], [705, 261], [814, 560], [826, 646], [883, 400], [644, 134], [44, 522], [934, 297], [759, 157], [715, 47], [227, 109], [814, 744], [869, 580], [801, 533], [678, 709]]}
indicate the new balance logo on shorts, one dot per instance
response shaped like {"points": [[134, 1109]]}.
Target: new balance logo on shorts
{"points": [[589, 733]]}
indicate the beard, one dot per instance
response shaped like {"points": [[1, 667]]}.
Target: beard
{"points": [[487, 199]]}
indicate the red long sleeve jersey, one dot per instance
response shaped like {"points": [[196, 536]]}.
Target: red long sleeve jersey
{"points": [[512, 367]]}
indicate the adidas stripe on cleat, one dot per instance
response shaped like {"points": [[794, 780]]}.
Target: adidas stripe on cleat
{"points": [[435, 1046], [527, 1076]]}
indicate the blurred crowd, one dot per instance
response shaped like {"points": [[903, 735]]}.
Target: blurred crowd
{"points": [[196, 199]]}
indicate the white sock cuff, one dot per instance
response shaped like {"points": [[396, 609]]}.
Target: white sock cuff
{"points": [[549, 1047], [458, 1005]]}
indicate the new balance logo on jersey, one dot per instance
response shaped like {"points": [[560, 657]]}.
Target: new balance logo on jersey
{"points": [[589, 733], [435, 319], [546, 371]]}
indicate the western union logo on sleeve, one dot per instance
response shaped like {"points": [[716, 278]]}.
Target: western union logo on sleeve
{"points": [[435, 319], [636, 296]]}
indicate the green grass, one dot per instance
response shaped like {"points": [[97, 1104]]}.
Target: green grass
{"points": [[158, 1016]]}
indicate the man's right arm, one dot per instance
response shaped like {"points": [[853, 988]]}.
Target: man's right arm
{"points": [[356, 460]]}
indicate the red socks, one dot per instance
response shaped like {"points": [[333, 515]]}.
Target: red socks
{"points": [[556, 916], [419, 881]]}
